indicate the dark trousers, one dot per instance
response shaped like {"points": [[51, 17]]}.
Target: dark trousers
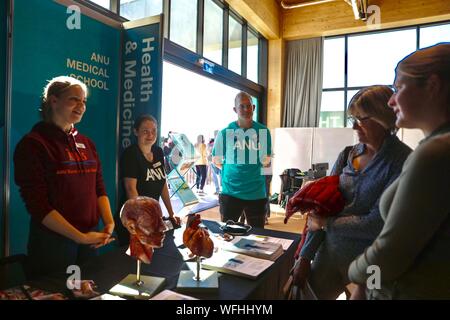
{"points": [[201, 176], [232, 208], [268, 181], [49, 252], [267, 209]]}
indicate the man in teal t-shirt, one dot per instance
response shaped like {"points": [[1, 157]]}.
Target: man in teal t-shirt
{"points": [[243, 150]]}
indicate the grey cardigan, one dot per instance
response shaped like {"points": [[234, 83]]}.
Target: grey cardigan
{"points": [[413, 248]]}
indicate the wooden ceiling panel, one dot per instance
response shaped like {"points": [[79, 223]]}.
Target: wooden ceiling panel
{"points": [[337, 17]]}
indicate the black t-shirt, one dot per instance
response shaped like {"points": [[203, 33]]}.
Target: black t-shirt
{"points": [[150, 175]]}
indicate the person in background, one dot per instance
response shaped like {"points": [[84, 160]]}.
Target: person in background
{"points": [[59, 175], [201, 165], [215, 172], [142, 170], [243, 151], [365, 171], [268, 182], [412, 251], [166, 151]]}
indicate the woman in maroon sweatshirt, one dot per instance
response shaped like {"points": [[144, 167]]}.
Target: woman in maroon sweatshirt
{"points": [[60, 180]]}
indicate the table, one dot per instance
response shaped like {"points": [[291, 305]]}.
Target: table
{"points": [[109, 268]]}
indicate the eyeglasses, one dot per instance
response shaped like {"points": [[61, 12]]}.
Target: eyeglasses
{"points": [[245, 106], [355, 120]]}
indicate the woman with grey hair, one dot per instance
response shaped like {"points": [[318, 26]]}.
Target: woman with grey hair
{"points": [[365, 171]]}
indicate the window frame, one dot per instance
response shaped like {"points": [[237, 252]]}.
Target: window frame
{"points": [[346, 88], [221, 6], [255, 34], [183, 57]]}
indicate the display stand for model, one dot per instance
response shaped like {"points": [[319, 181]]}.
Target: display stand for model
{"points": [[142, 217], [196, 239]]}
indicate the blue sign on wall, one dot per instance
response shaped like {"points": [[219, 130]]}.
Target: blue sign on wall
{"points": [[141, 76], [47, 43], [3, 31]]}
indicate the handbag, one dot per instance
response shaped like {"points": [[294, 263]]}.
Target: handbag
{"points": [[290, 290], [293, 292]]}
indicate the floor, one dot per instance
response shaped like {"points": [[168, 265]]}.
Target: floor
{"points": [[275, 221]]}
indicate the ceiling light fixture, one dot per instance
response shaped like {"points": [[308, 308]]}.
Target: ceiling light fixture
{"points": [[359, 6], [303, 4]]}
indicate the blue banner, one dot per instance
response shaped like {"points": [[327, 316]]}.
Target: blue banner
{"points": [[141, 76], [51, 40], [3, 30]]}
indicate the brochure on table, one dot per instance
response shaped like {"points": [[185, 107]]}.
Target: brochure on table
{"points": [[237, 264]]}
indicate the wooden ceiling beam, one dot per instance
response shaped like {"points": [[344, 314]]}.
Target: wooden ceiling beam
{"points": [[263, 15]]}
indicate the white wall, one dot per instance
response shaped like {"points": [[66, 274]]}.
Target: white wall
{"points": [[411, 137], [301, 147]]}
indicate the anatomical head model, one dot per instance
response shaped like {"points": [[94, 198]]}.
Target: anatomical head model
{"points": [[142, 217], [197, 238]]}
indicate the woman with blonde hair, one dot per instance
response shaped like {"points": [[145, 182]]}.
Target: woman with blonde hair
{"points": [[365, 171], [201, 164], [59, 175], [412, 253]]}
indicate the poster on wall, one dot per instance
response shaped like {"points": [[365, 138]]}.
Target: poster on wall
{"points": [[141, 75], [141, 83], [51, 39]]}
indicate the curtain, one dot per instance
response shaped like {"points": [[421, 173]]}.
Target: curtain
{"points": [[303, 85]]}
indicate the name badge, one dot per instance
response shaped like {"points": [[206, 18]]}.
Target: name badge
{"points": [[157, 164], [80, 145]]}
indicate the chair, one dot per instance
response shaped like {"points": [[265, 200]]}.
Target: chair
{"points": [[291, 182], [12, 271]]}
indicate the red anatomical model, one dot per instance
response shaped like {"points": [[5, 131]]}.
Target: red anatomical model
{"points": [[142, 217], [196, 238]]}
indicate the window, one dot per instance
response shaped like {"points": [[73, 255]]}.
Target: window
{"points": [[222, 29], [331, 112], [334, 63], [195, 109], [183, 23], [235, 46], [209, 29], [213, 32], [350, 95], [137, 9], [252, 56], [103, 3], [371, 59], [435, 34]]}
